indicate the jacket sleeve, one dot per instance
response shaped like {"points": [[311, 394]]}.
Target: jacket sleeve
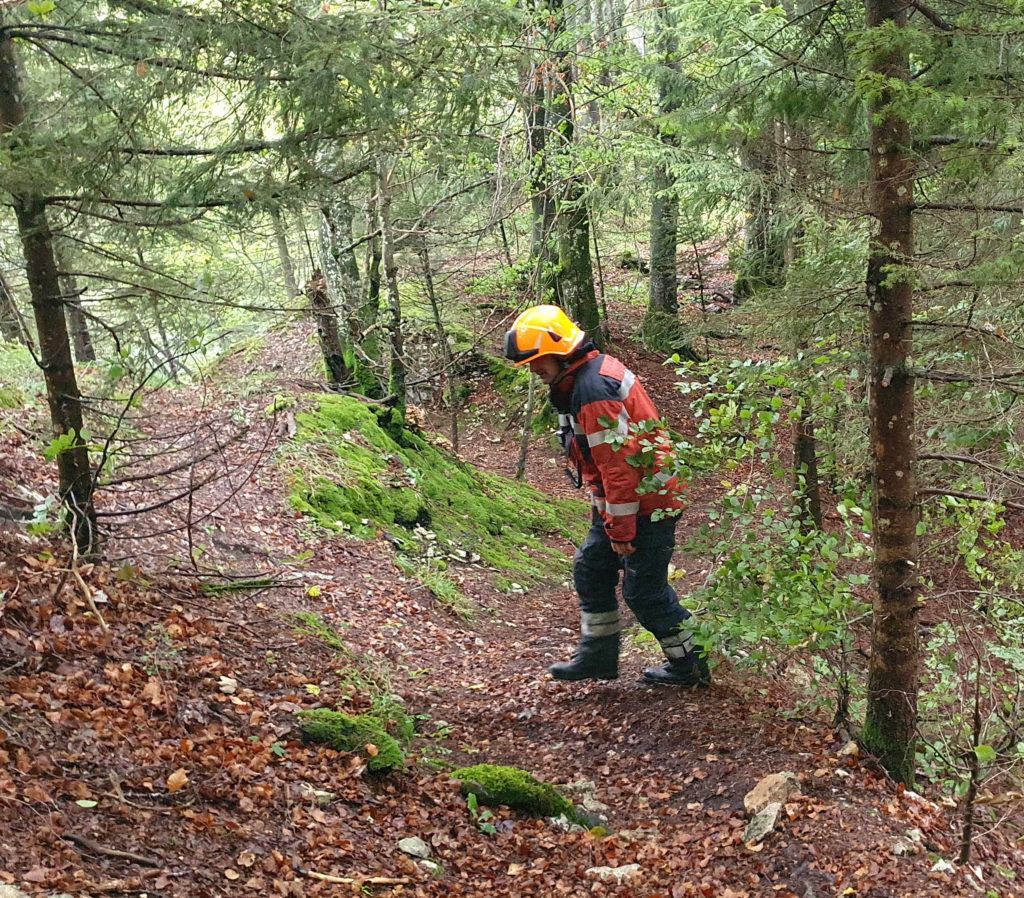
{"points": [[606, 421]]}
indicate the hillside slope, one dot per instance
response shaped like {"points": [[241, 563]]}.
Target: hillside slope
{"points": [[164, 757]]}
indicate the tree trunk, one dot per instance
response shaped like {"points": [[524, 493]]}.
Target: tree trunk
{"points": [[12, 326], [663, 296], [889, 727], [442, 339], [762, 249], [287, 269], [327, 330], [574, 286], [542, 200], [77, 322], [662, 329], [576, 292], [370, 309], [397, 373], [805, 471], [65, 400]]}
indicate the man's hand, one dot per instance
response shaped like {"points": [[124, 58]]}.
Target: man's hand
{"points": [[622, 549]]}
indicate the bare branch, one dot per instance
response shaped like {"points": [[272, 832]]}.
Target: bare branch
{"points": [[974, 497]]}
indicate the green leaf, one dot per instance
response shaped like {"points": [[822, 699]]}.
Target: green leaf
{"points": [[986, 753], [86, 802]]}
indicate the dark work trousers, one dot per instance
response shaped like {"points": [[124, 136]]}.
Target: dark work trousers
{"points": [[645, 586]]}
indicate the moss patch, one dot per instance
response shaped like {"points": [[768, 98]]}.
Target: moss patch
{"points": [[362, 735], [351, 473], [11, 397], [514, 788]]}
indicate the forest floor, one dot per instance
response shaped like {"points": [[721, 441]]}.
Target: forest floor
{"points": [[161, 757]]}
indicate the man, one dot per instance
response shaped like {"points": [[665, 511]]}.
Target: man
{"points": [[610, 429]]}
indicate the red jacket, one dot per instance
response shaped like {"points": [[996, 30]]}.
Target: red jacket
{"points": [[603, 401]]}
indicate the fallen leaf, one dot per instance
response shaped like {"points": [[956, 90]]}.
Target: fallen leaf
{"points": [[35, 792], [371, 749], [152, 692], [232, 874], [177, 780]]}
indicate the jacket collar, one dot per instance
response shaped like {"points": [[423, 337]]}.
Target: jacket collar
{"points": [[561, 391]]}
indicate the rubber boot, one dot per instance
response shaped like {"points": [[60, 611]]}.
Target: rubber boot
{"points": [[691, 670], [595, 658]]}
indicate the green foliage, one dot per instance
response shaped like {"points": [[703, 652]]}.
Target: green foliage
{"points": [[315, 625], [969, 703], [19, 376], [434, 575], [359, 478], [781, 591], [362, 734], [514, 788]]}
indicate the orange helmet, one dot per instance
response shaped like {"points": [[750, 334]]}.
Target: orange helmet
{"points": [[541, 330]]}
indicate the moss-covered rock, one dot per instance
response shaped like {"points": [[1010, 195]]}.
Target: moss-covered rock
{"points": [[343, 732], [514, 788]]}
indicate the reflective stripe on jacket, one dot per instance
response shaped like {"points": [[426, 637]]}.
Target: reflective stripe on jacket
{"points": [[606, 401]]}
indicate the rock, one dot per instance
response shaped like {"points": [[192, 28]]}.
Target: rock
{"points": [[942, 866], [563, 823], [904, 849], [7, 891], [415, 847], [850, 750], [316, 796], [432, 867], [776, 788], [592, 805], [914, 836], [762, 823], [643, 834], [618, 875]]}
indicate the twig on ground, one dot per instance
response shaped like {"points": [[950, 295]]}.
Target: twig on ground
{"points": [[96, 848], [371, 880]]}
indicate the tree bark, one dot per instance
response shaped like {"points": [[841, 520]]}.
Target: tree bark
{"points": [[283, 254], [662, 329], [327, 330], [762, 248], [542, 201], [889, 727], [663, 296], [806, 487], [397, 371], [64, 398], [574, 285], [77, 322], [442, 339]]}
